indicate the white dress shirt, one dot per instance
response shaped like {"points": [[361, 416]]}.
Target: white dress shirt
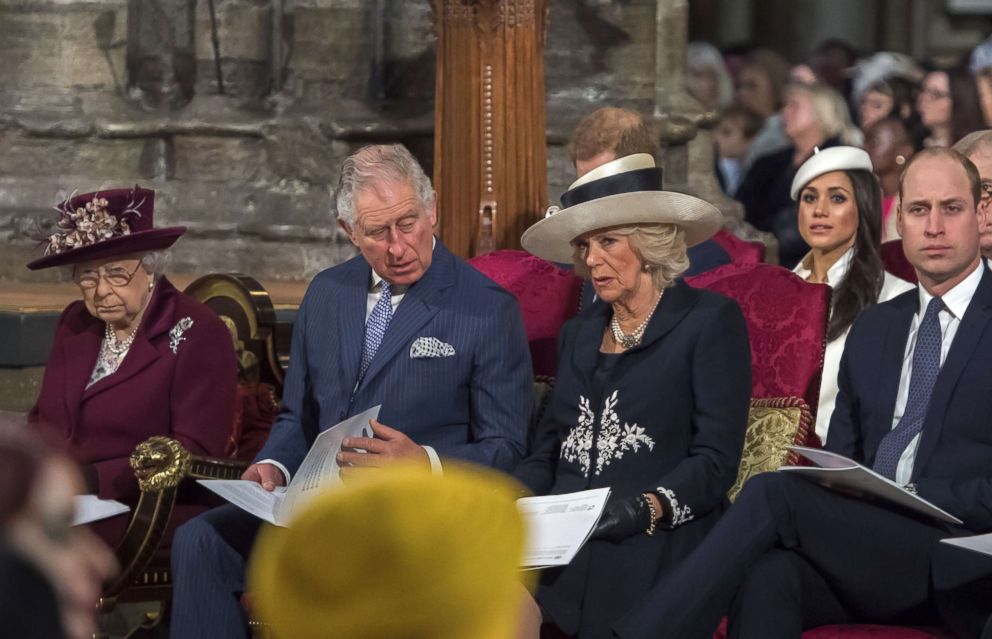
{"points": [[891, 287], [956, 302]]}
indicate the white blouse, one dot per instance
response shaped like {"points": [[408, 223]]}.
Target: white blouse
{"points": [[891, 287]]}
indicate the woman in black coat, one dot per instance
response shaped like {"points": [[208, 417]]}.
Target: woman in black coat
{"points": [[652, 393]]}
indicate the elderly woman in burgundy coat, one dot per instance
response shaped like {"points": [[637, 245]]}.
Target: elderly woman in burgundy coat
{"points": [[136, 357]]}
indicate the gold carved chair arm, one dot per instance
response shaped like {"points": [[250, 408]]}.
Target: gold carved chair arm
{"points": [[160, 465]]}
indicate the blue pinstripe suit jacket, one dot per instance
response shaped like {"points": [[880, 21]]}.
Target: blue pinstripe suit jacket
{"points": [[474, 405]]}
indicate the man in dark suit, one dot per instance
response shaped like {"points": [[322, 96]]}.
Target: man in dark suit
{"points": [[406, 325], [914, 405]]}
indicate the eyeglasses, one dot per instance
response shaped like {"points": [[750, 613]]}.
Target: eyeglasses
{"points": [[934, 94], [116, 276]]}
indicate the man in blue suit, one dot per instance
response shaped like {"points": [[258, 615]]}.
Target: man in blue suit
{"points": [[405, 324], [914, 404]]}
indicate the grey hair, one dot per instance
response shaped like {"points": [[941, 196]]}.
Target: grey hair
{"points": [[703, 55], [371, 165], [971, 143], [155, 263], [661, 248]]}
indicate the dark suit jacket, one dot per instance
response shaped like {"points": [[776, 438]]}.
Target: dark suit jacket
{"points": [[679, 402], [474, 405], [953, 467], [188, 394], [28, 605]]}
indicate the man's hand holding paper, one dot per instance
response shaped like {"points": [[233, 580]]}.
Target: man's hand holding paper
{"points": [[268, 475], [388, 446]]}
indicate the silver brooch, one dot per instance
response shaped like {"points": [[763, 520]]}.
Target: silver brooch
{"points": [[176, 334]]}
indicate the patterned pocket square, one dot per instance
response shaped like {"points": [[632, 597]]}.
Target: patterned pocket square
{"points": [[424, 347]]}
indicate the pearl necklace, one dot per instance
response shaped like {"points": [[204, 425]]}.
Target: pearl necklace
{"points": [[634, 338], [115, 346]]}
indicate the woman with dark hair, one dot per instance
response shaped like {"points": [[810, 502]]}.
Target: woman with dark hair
{"points": [[949, 106], [887, 98], [890, 143], [840, 217]]}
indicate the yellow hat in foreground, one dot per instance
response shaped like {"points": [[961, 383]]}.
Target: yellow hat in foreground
{"points": [[403, 554]]}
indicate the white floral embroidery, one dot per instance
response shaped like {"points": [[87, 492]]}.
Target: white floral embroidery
{"points": [[176, 334], [613, 441], [577, 445], [679, 515]]}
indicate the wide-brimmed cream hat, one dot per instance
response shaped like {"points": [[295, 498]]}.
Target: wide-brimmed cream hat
{"points": [[836, 158], [623, 192]]}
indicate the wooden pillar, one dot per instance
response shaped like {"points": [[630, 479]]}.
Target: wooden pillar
{"points": [[490, 158]]}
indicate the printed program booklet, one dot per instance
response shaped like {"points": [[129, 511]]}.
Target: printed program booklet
{"points": [[318, 472], [559, 525], [837, 471]]}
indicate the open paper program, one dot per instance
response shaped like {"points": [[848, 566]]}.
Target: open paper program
{"points": [[558, 525], [837, 471], [319, 471]]}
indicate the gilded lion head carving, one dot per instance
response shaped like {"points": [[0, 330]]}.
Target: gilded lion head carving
{"points": [[159, 463]]}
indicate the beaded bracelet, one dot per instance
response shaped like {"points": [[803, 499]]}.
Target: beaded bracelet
{"points": [[654, 515]]}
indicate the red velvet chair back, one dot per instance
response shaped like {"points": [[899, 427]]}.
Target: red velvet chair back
{"points": [[548, 296], [740, 251], [895, 261], [786, 322]]}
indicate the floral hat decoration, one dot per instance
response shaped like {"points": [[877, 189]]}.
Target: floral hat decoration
{"points": [[105, 224]]}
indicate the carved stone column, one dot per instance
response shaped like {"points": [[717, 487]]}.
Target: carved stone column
{"points": [[490, 166], [687, 128]]}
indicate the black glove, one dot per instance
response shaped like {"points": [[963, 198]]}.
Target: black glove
{"points": [[623, 518]]}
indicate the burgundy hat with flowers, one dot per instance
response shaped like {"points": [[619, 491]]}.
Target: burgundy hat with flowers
{"points": [[105, 224]]}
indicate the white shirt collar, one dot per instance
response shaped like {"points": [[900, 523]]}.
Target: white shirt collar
{"points": [[957, 299], [376, 278], [835, 274]]}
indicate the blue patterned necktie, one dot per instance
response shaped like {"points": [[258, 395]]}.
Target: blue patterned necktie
{"points": [[375, 328], [926, 366]]}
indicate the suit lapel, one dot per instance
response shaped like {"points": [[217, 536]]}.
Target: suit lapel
{"points": [[676, 302], [353, 309], [80, 351], [970, 332], [420, 303], [588, 337], [893, 353]]}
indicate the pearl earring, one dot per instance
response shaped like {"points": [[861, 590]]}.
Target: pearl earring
{"points": [[900, 160], [151, 285]]}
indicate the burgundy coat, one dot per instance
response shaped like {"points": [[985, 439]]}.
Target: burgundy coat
{"points": [[184, 388]]}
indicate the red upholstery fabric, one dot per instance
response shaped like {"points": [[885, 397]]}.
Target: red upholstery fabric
{"points": [[740, 251], [858, 631], [895, 261], [548, 296], [786, 321], [257, 407]]}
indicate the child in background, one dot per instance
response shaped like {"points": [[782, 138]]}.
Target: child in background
{"points": [[734, 135]]}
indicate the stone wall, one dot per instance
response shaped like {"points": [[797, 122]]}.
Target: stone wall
{"points": [[86, 106]]}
